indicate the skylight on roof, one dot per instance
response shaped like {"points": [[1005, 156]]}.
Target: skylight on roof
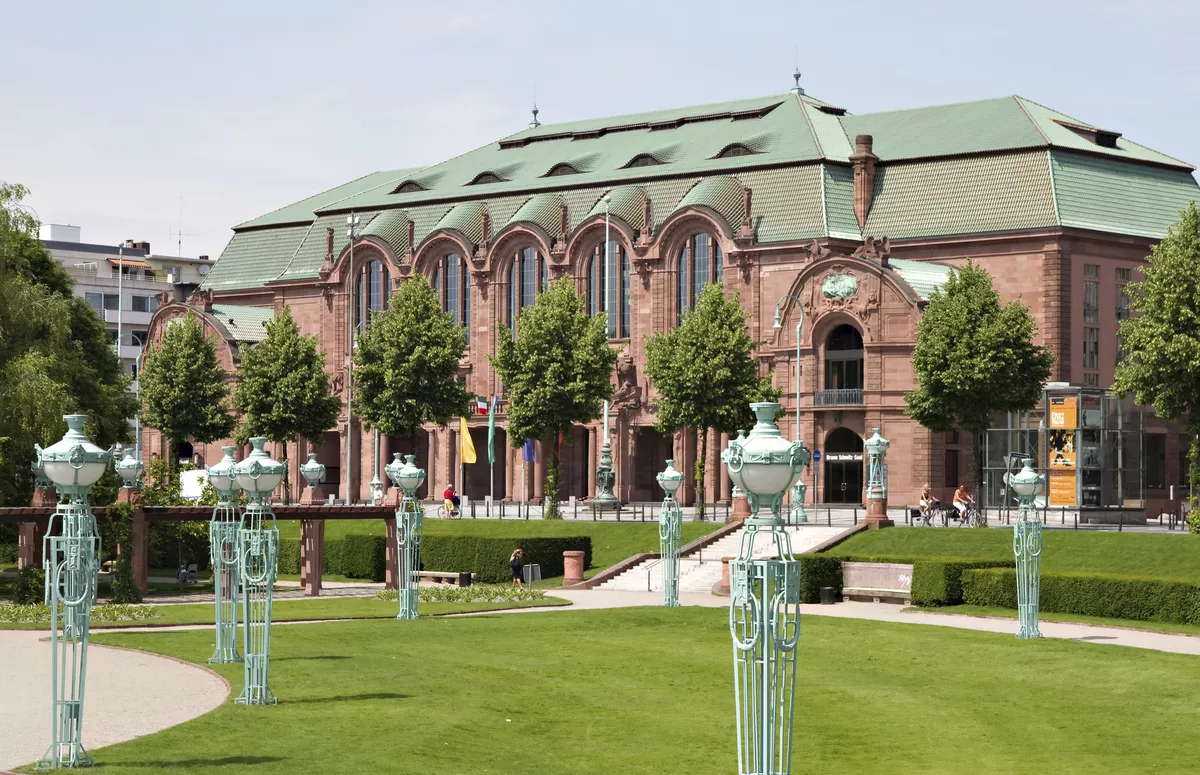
{"points": [[643, 160], [408, 187], [561, 169], [732, 150], [485, 177], [1102, 137]]}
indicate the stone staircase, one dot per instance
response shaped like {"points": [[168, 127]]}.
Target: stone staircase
{"points": [[699, 571]]}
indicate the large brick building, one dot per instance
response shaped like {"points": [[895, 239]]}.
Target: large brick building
{"points": [[860, 217]]}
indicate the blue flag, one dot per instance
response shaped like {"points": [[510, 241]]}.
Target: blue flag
{"points": [[527, 454]]}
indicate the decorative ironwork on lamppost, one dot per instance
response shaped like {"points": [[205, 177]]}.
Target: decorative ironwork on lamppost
{"points": [[225, 552], [258, 557], [876, 449], [128, 467], [72, 564], [312, 471], [764, 614], [1027, 546], [670, 531], [409, 520], [797, 514]]}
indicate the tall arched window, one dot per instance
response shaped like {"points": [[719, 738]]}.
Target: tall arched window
{"points": [[452, 282], [598, 279], [527, 276], [699, 264], [844, 359], [370, 292]]}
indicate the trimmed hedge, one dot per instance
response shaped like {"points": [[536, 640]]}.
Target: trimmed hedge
{"points": [[8, 554], [364, 557], [816, 571], [1086, 594], [935, 582]]}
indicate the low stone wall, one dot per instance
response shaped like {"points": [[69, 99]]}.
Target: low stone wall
{"points": [[877, 581]]}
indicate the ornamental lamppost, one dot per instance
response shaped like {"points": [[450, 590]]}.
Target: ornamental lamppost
{"points": [[797, 513], [128, 467], [1027, 546], [877, 480], [72, 564], [258, 556], [764, 614], [224, 548], [670, 530], [409, 519]]}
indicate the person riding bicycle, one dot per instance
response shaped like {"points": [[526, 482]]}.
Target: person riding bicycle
{"points": [[928, 503], [451, 501], [962, 500]]}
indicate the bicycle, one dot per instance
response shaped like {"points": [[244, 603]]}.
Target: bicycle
{"points": [[455, 513]]}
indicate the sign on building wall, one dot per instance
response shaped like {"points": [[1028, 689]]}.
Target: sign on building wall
{"points": [[1064, 419]]}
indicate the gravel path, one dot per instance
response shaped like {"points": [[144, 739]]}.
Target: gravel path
{"points": [[129, 694]]}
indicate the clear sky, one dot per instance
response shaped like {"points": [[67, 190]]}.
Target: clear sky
{"points": [[114, 111]]}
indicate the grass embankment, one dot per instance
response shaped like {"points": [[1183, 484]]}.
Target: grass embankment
{"points": [[1159, 555], [648, 690], [303, 610], [611, 541]]}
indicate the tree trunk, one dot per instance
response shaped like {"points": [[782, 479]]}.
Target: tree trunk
{"points": [[287, 475], [1194, 477], [701, 449], [550, 510], [412, 442], [978, 457]]}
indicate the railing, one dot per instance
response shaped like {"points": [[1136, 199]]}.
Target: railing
{"points": [[840, 397]]}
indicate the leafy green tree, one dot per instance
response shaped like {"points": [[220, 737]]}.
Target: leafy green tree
{"points": [[1161, 367], [556, 372], [183, 387], [974, 358], [406, 364], [55, 356], [283, 391], [706, 374]]}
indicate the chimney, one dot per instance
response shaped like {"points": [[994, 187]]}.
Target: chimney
{"points": [[329, 245], [143, 245], [863, 161], [128, 243], [203, 258]]}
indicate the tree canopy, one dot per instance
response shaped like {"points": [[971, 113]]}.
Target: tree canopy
{"points": [[974, 358], [183, 386], [406, 364], [55, 355], [283, 391], [1161, 367], [556, 371], [706, 374]]}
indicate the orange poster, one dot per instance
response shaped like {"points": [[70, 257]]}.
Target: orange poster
{"points": [[1064, 418], [1064, 411], [1062, 488]]}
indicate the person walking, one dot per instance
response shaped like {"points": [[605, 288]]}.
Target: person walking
{"points": [[516, 562]]}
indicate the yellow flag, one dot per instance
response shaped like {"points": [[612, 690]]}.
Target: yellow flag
{"points": [[466, 447]]}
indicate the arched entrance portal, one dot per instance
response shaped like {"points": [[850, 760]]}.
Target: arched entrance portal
{"points": [[843, 467]]}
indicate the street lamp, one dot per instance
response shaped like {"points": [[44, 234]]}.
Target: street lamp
{"points": [[1027, 546], [258, 556], [410, 517], [223, 530], [72, 564], [606, 477], [764, 614], [129, 468], [352, 232], [877, 479], [797, 513], [670, 530]]}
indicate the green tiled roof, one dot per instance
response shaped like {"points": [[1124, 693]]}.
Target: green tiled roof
{"points": [[944, 130], [542, 210], [1060, 137], [302, 211], [1119, 197], [391, 227], [466, 218], [721, 194], [839, 202], [245, 324], [626, 203], [967, 195], [924, 277], [253, 257]]}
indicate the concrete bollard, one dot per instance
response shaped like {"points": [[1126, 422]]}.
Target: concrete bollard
{"points": [[721, 588], [572, 567]]}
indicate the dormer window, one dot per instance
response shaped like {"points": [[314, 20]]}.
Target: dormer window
{"points": [[408, 187], [643, 160], [561, 169], [485, 177], [737, 149], [1102, 137]]}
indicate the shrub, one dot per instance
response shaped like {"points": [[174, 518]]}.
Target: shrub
{"points": [[487, 558], [30, 586], [8, 554], [476, 593], [40, 613], [289, 555], [119, 519], [937, 582], [363, 557], [816, 571], [1117, 597]]}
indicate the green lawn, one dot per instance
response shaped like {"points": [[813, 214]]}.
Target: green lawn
{"points": [[649, 691], [1164, 555], [299, 610], [1010, 613], [611, 541]]}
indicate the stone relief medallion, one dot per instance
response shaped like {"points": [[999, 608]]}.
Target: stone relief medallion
{"points": [[839, 286]]}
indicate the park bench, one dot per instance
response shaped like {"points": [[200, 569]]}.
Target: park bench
{"points": [[444, 577], [877, 582]]}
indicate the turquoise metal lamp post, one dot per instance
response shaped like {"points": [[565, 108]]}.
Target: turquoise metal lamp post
{"points": [[128, 467], [312, 471], [225, 553], [72, 563], [876, 449], [764, 614], [258, 556], [1027, 546], [670, 531], [409, 521]]}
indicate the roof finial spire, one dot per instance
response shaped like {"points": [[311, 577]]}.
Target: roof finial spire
{"points": [[796, 75], [535, 123]]}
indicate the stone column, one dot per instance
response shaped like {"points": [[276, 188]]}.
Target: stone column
{"points": [[726, 488], [539, 471], [593, 459], [391, 576], [512, 469], [140, 558], [312, 550], [572, 567]]}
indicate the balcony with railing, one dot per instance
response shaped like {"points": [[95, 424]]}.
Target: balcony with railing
{"points": [[839, 397]]}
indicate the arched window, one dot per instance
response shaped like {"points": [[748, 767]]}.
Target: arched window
{"points": [[370, 292], [700, 263], [598, 280], [561, 169], [527, 276], [485, 177], [844, 359], [643, 160], [737, 149], [452, 283]]}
